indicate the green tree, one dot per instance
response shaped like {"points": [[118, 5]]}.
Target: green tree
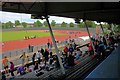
{"points": [[64, 24], [53, 23], [38, 24], [71, 24], [91, 24], [3, 25], [9, 24], [45, 23], [17, 23], [117, 28], [24, 24], [81, 25], [106, 25]]}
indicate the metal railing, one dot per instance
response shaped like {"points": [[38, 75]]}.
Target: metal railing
{"points": [[14, 55]]}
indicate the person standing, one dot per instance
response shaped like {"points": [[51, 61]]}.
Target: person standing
{"points": [[51, 44], [42, 51], [50, 51], [46, 54], [12, 68], [33, 58], [29, 46], [23, 56], [27, 64], [5, 64], [48, 43], [38, 55]]}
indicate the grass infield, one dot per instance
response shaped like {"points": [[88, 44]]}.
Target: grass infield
{"points": [[19, 35]]}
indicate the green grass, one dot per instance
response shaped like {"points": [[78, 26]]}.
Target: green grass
{"points": [[19, 35]]}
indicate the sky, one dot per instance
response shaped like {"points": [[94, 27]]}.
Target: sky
{"points": [[9, 16]]}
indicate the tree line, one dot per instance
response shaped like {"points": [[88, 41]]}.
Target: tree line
{"points": [[90, 24]]}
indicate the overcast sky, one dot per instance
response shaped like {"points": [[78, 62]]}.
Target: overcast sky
{"points": [[8, 16]]}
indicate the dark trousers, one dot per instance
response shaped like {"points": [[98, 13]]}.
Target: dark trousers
{"points": [[12, 73], [38, 60], [33, 61]]}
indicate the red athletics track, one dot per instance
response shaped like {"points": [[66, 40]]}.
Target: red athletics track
{"points": [[17, 44]]}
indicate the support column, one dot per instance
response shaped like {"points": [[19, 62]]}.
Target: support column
{"points": [[89, 35], [56, 48], [102, 28]]}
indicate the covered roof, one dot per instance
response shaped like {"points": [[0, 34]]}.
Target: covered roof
{"points": [[95, 11]]}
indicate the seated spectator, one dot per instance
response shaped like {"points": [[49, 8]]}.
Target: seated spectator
{"points": [[12, 68], [21, 70], [75, 45], [70, 60], [71, 49], [77, 55], [50, 60], [3, 76], [57, 65], [90, 49], [65, 51]]}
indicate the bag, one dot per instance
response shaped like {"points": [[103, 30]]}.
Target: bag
{"points": [[75, 62]]}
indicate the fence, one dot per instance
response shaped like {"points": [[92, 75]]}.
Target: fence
{"points": [[14, 55]]}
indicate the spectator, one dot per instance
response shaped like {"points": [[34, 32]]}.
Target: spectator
{"points": [[57, 65], [90, 49], [50, 51], [70, 60], [77, 54], [66, 41], [102, 49], [33, 58], [71, 49], [46, 54], [23, 56], [29, 46], [5, 64], [104, 41], [51, 44], [66, 51], [27, 64], [75, 45], [21, 70], [3, 76], [12, 68], [96, 46], [42, 51], [2, 44], [50, 60], [48, 44], [38, 55]]}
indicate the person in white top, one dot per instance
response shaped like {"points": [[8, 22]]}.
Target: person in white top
{"points": [[38, 55]]}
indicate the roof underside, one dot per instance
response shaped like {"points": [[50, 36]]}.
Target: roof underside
{"points": [[95, 11]]}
